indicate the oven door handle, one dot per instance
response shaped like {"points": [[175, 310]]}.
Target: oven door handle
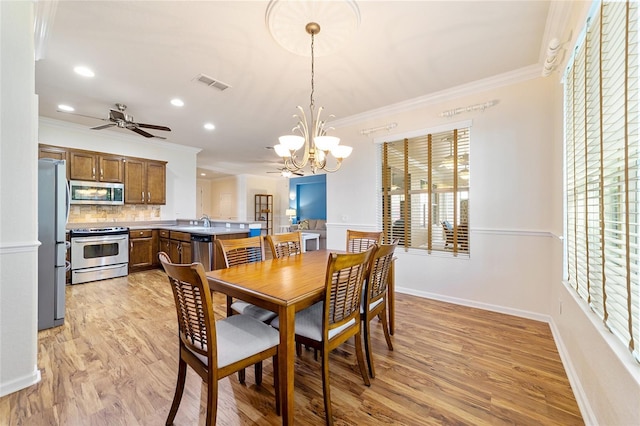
{"points": [[98, 240], [102, 268]]}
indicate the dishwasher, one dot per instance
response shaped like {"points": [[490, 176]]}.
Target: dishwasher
{"points": [[202, 250]]}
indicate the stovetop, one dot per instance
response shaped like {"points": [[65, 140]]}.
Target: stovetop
{"points": [[113, 230]]}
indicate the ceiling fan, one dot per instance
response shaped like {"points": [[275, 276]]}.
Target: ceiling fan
{"points": [[287, 173], [119, 118]]}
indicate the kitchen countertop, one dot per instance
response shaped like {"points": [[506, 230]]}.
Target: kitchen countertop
{"points": [[171, 226]]}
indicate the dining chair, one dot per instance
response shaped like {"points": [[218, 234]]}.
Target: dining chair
{"points": [[358, 241], [327, 324], [213, 349], [374, 297], [240, 251], [283, 245]]}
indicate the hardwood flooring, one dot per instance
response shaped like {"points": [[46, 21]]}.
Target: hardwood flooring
{"points": [[114, 362]]}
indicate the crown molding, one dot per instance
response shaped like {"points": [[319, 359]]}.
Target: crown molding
{"points": [[500, 80]]}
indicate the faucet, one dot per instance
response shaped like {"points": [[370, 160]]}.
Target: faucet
{"points": [[207, 221]]}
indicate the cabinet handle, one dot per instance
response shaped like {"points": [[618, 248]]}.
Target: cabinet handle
{"points": [[101, 173], [93, 171], [142, 196], [149, 196]]}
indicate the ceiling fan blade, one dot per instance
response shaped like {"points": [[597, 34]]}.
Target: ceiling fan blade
{"points": [[141, 132], [104, 126], [153, 126], [298, 173]]}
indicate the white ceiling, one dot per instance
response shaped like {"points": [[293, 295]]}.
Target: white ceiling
{"points": [[144, 53]]}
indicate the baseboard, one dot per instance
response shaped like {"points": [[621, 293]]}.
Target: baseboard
{"points": [[578, 391], [20, 383], [474, 304]]}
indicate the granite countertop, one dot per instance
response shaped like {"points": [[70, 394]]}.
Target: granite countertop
{"points": [[171, 225]]}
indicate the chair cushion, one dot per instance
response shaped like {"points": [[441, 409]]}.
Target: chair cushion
{"points": [[372, 305], [309, 323], [253, 311], [239, 337]]}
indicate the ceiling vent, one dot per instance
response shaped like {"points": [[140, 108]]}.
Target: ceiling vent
{"points": [[211, 82]]}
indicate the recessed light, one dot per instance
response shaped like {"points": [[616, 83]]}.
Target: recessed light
{"points": [[177, 102], [203, 174], [84, 71], [209, 126], [66, 108]]}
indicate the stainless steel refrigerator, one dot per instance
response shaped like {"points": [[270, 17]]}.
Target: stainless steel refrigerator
{"points": [[53, 211]]}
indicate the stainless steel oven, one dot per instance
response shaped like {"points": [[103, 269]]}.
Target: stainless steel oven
{"points": [[99, 253]]}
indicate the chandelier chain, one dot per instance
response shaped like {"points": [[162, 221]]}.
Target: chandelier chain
{"points": [[311, 104]]}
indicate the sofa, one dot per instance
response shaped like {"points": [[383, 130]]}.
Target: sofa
{"points": [[317, 226]]}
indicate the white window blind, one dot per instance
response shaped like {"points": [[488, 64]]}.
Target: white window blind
{"points": [[425, 191], [602, 155]]}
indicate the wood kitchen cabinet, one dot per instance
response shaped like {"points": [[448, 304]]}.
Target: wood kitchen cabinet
{"points": [[144, 181], [177, 245], [55, 152], [93, 166], [143, 249]]}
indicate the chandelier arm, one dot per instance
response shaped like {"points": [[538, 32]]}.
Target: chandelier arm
{"points": [[338, 164]]}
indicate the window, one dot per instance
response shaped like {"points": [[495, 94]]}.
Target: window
{"points": [[425, 191], [601, 166]]}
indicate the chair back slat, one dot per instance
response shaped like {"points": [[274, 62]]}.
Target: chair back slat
{"points": [[378, 275], [345, 275], [284, 245], [194, 309], [359, 241], [241, 250]]}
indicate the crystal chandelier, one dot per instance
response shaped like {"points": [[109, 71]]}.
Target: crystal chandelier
{"points": [[317, 145]]}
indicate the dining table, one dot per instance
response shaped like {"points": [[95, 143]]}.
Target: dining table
{"points": [[284, 286]]}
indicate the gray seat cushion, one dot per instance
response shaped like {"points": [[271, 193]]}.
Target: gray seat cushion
{"points": [[241, 336], [309, 323], [253, 311]]}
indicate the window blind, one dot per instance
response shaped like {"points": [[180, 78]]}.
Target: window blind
{"points": [[601, 169], [425, 191]]}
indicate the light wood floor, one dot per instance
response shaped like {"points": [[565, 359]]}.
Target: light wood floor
{"points": [[114, 363]]}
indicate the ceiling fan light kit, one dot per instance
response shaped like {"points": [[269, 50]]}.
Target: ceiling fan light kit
{"points": [[316, 143]]}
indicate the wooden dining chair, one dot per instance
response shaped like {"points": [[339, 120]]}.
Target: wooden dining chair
{"points": [[327, 324], [374, 297], [240, 251], [358, 241], [283, 245], [214, 349]]}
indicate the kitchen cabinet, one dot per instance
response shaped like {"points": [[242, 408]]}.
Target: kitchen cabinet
{"points": [[94, 166], [177, 245], [55, 152], [144, 181], [143, 249]]}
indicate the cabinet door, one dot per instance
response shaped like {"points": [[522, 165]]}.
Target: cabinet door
{"points": [[111, 168], [165, 246], [174, 251], [185, 252], [156, 183], [141, 254], [134, 182], [57, 153], [82, 165]]}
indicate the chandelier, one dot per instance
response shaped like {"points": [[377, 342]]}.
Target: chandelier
{"points": [[313, 138]]}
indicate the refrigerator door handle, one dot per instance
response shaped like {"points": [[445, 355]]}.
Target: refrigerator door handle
{"points": [[66, 220]]}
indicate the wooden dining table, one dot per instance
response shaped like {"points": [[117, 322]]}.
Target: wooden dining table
{"points": [[285, 286]]}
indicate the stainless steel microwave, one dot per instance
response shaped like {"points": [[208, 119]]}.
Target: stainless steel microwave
{"points": [[96, 192]]}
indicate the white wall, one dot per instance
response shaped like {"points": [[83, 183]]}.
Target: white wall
{"points": [[18, 189], [510, 213], [181, 159], [516, 212]]}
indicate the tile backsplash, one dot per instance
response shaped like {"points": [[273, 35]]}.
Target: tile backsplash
{"points": [[124, 213]]}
